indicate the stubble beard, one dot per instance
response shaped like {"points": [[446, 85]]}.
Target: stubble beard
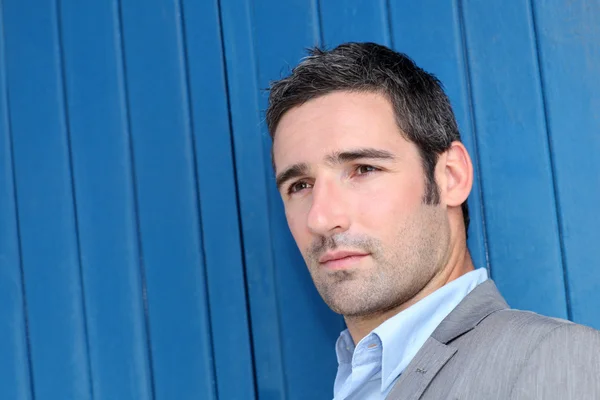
{"points": [[391, 276]]}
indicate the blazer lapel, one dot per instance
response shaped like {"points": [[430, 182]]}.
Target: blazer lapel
{"points": [[421, 370], [484, 300], [435, 353]]}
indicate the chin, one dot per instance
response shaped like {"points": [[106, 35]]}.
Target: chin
{"points": [[353, 307]]}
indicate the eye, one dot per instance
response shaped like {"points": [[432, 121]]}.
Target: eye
{"points": [[298, 186], [365, 169]]}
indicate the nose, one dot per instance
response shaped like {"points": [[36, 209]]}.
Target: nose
{"points": [[328, 212]]}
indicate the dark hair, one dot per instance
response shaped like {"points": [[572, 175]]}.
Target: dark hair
{"points": [[422, 109]]}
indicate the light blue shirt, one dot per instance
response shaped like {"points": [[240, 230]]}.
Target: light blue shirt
{"points": [[369, 370]]}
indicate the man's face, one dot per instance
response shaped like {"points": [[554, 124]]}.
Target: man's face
{"points": [[353, 189]]}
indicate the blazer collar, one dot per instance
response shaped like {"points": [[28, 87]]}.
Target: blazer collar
{"points": [[484, 300]]}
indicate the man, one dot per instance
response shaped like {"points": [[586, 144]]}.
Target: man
{"points": [[374, 180]]}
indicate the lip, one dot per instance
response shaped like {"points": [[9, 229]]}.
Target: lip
{"points": [[341, 259]]}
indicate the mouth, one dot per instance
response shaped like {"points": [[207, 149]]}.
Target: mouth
{"points": [[337, 260]]}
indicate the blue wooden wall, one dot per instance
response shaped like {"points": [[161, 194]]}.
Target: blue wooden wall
{"points": [[143, 249]]}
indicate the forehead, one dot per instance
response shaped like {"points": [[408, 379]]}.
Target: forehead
{"points": [[336, 122]]}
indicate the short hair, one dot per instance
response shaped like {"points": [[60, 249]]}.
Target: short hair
{"points": [[422, 109]]}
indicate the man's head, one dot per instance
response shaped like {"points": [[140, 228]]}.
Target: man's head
{"points": [[371, 173]]}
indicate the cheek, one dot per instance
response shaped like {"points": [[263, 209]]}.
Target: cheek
{"points": [[390, 202]]}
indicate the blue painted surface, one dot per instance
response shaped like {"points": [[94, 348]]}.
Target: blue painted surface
{"points": [[102, 176], [251, 164], [45, 202], [207, 87], [355, 21], [167, 201], [517, 180], [144, 253], [15, 379], [568, 34]]}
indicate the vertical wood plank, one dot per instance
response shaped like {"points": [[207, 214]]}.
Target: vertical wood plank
{"points": [[354, 21], [521, 216], [218, 200], [430, 33], [568, 35], [15, 381], [251, 165], [105, 203], [45, 202], [167, 200]]}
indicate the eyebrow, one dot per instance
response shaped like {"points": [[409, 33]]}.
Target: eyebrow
{"points": [[292, 172], [358, 154], [336, 158]]}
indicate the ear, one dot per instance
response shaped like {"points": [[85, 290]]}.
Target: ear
{"points": [[458, 172]]}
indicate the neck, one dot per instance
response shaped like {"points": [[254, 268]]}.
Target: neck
{"points": [[458, 264]]}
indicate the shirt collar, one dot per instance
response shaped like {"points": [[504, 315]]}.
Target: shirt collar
{"points": [[405, 333], [344, 348]]}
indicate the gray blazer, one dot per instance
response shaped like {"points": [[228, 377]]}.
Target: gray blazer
{"points": [[484, 350]]}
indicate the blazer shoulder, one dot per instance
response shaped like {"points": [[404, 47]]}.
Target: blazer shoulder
{"points": [[540, 331], [520, 354], [535, 336], [564, 364], [525, 324], [529, 317], [523, 331]]}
